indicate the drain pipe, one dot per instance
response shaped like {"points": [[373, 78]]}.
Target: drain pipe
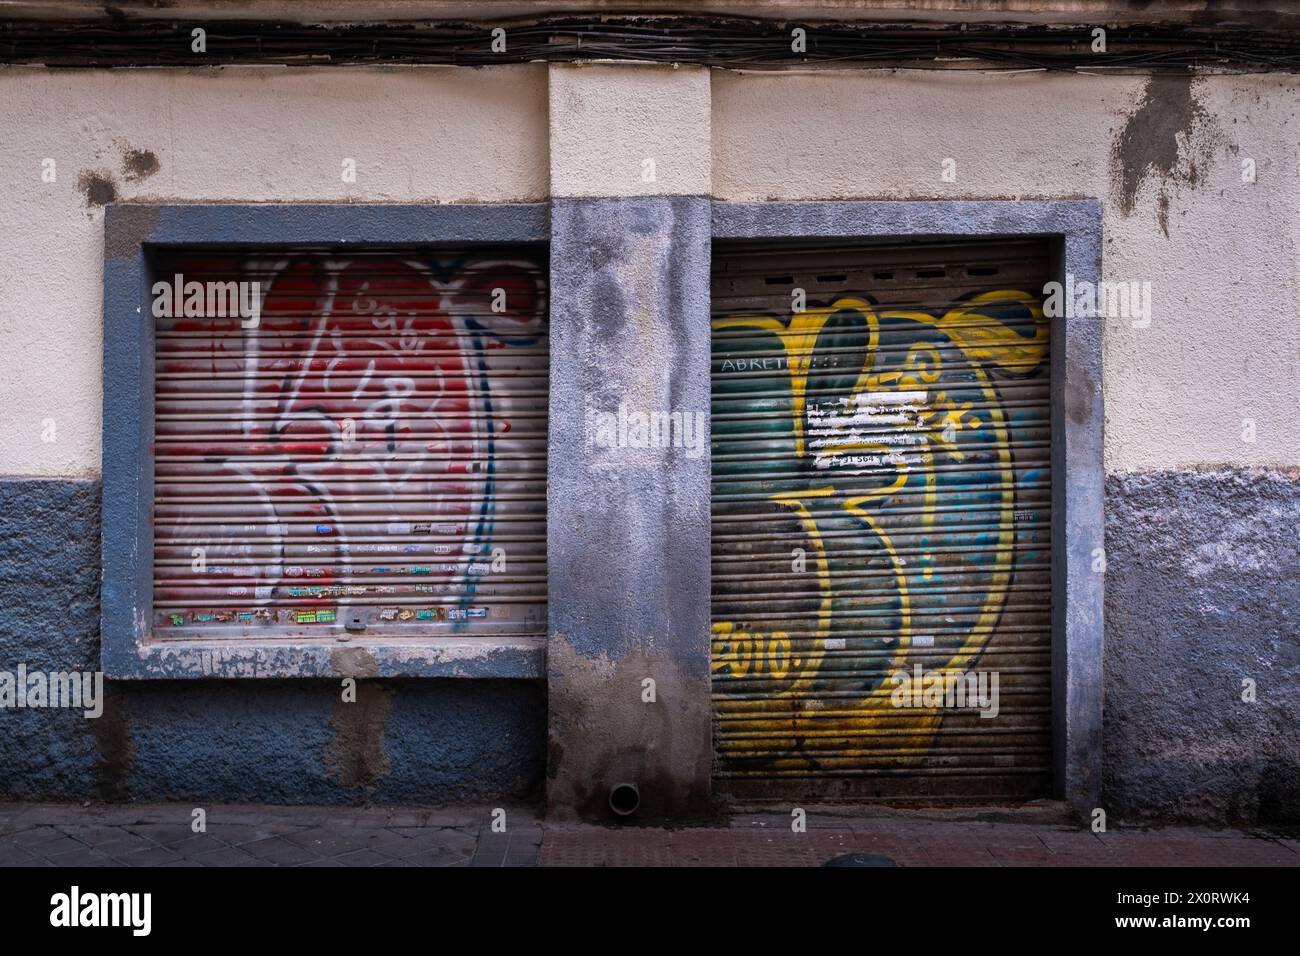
{"points": [[624, 798]]}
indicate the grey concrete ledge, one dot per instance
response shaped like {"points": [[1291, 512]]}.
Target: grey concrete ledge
{"points": [[126, 225], [906, 217]]}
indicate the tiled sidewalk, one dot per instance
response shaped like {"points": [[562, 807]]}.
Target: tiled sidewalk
{"points": [[768, 841], [161, 835]]}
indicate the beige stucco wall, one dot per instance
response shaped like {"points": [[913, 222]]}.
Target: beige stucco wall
{"points": [[1223, 344], [1224, 340], [629, 130], [418, 134]]}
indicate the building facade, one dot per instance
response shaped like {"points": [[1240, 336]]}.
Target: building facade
{"points": [[657, 425]]}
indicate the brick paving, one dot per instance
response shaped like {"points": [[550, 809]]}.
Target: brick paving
{"points": [[161, 835]]}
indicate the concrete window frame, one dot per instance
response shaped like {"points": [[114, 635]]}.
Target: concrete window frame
{"points": [[1074, 229], [132, 232]]}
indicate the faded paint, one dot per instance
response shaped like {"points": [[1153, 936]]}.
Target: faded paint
{"points": [[253, 134], [1222, 345]]}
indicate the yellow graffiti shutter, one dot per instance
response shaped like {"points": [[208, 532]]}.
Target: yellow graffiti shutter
{"points": [[882, 520]]}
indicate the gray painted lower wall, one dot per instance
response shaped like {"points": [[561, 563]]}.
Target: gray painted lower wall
{"points": [[415, 741], [1203, 591]]}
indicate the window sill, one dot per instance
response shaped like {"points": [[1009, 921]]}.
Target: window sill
{"points": [[492, 656]]}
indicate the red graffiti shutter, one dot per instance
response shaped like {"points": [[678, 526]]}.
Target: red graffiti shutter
{"points": [[368, 453], [882, 521]]}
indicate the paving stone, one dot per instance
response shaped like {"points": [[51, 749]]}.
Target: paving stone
{"points": [[363, 858], [280, 851], [325, 841], [237, 834], [11, 855], [150, 856], [85, 856], [167, 834], [229, 856], [439, 856]]}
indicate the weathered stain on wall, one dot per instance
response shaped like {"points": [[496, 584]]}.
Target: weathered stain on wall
{"points": [[98, 186], [114, 749], [356, 756], [1169, 138], [629, 559], [604, 732], [138, 164]]}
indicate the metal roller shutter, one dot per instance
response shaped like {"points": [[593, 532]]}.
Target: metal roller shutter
{"points": [[881, 521], [370, 456]]}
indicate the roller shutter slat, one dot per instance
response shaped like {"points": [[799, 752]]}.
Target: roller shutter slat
{"points": [[895, 438], [442, 385]]}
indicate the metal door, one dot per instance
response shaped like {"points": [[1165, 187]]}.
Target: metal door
{"points": [[882, 520], [365, 452]]}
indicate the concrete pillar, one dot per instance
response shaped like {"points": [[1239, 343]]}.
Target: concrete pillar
{"points": [[628, 513]]}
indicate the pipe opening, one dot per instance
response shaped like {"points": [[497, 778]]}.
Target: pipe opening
{"points": [[624, 798]]}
